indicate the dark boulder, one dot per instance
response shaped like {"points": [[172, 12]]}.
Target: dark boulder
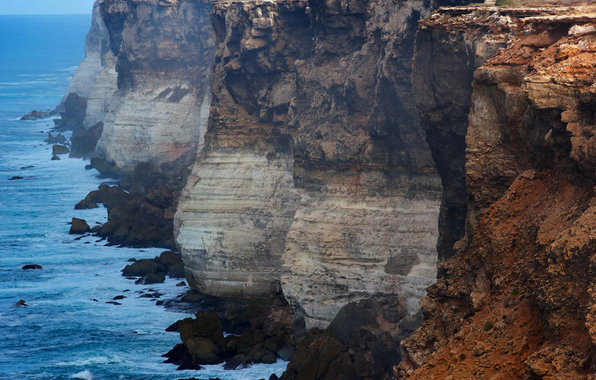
{"points": [[83, 141], [109, 196], [55, 158], [79, 227], [32, 266], [153, 278], [60, 149], [85, 205], [142, 268], [75, 110], [362, 342]]}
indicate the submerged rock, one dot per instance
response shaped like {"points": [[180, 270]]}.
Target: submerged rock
{"points": [[15, 178], [32, 266], [38, 115], [79, 227]]}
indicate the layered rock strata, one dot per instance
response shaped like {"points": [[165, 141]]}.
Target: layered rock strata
{"points": [[516, 301], [315, 169], [163, 55]]}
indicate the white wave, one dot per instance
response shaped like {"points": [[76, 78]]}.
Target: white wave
{"points": [[71, 68], [91, 361], [84, 375], [41, 81]]}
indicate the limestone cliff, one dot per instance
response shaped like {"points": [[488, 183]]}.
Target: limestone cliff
{"points": [[96, 47], [516, 300], [163, 55], [315, 170]]}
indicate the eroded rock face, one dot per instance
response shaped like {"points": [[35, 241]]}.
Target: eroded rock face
{"points": [[97, 44], [164, 52], [516, 301], [315, 169]]}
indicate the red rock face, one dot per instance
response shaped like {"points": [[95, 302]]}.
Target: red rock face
{"points": [[517, 298]]}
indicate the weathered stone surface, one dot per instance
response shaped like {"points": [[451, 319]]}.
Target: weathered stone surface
{"points": [[516, 300], [164, 53], [314, 159]]}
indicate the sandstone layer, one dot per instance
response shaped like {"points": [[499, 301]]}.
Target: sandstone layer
{"points": [[516, 300], [163, 54], [315, 170]]}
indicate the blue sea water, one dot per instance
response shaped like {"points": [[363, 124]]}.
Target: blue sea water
{"points": [[64, 333]]}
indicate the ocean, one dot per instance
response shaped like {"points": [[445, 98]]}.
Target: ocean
{"points": [[64, 333]]}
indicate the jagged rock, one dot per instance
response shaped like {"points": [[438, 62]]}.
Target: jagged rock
{"points": [[75, 108], [79, 227], [262, 330], [58, 139]]}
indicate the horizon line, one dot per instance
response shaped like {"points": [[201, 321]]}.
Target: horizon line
{"points": [[45, 14]]}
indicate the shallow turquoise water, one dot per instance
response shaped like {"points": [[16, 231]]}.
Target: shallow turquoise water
{"points": [[64, 333]]}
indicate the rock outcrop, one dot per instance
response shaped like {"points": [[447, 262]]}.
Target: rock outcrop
{"points": [[163, 55], [315, 169], [516, 300]]}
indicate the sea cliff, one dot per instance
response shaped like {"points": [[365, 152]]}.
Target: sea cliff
{"points": [[335, 154], [515, 300]]}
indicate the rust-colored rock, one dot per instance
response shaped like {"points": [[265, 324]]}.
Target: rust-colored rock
{"points": [[516, 300]]}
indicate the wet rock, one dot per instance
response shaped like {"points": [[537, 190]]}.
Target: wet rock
{"points": [[120, 297], [32, 266], [114, 303], [182, 283], [79, 227], [59, 139], [83, 141], [27, 167], [75, 110], [153, 278], [60, 149], [174, 327], [21, 303], [14, 178], [85, 205], [109, 196], [55, 158], [38, 115], [359, 343]]}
